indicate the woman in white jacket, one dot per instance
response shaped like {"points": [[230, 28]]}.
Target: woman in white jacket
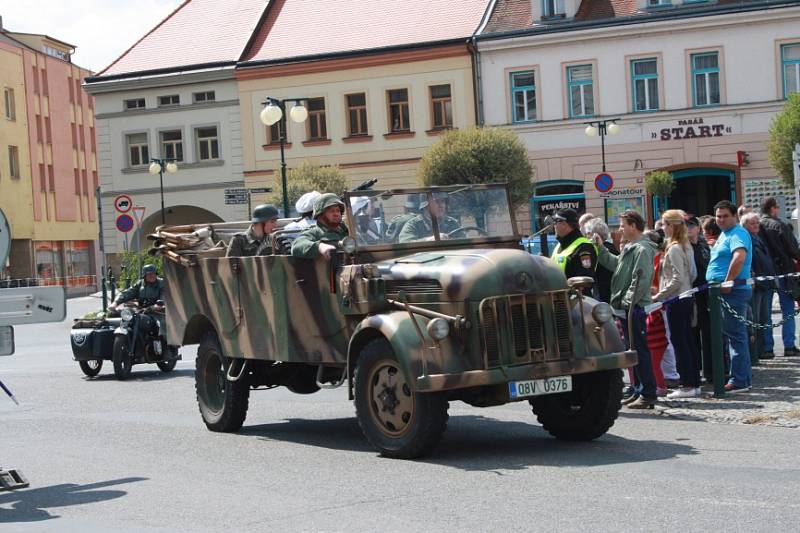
{"points": [[676, 276]]}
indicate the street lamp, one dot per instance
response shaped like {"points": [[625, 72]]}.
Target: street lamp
{"points": [[158, 166], [275, 111], [602, 128]]}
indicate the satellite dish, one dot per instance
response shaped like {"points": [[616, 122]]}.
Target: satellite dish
{"points": [[5, 239]]}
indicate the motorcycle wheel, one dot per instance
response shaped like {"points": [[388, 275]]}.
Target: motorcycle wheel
{"points": [[91, 367], [123, 363]]}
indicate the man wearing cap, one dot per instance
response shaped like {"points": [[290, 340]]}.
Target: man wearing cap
{"points": [[397, 224], [322, 239], [256, 240], [305, 208], [420, 228], [574, 254]]}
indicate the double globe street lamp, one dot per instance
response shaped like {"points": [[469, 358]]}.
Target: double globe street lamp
{"points": [[158, 166], [275, 111], [602, 128]]}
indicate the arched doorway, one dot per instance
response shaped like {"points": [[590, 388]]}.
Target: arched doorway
{"points": [[699, 186]]}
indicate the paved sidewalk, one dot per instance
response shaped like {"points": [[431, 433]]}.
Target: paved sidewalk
{"points": [[774, 400]]}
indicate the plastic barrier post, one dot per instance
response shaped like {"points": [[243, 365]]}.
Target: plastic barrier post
{"points": [[717, 360]]}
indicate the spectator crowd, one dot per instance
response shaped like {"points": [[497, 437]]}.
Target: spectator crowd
{"points": [[684, 251]]}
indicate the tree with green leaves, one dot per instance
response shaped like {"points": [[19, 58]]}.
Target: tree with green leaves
{"points": [[309, 177], [660, 184], [784, 134], [477, 156]]}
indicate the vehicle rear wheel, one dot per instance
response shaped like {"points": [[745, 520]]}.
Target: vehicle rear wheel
{"points": [[585, 413], [123, 362], [396, 420], [223, 404], [91, 367]]}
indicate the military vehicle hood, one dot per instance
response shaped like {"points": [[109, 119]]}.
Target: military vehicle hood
{"points": [[474, 274]]}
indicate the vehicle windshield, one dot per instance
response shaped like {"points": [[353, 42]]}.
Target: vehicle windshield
{"points": [[460, 212]]}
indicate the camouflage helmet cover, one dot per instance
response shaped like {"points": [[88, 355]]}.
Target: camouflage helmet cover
{"points": [[264, 213], [325, 201]]}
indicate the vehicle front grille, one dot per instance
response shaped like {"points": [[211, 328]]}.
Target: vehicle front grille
{"points": [[413, 286], [527, 328]]}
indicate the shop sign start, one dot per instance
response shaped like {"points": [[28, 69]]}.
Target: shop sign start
{"points": [[692, 128]]}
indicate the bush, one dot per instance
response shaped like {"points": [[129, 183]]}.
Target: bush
{"points": [[784, 133], [308, 177], [479, 155], [659, 183], [131, 267]]}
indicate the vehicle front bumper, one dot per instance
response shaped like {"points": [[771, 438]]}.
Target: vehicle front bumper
{"points": [[493, 376]]}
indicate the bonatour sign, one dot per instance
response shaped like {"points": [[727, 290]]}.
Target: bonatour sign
{"points": [[690, 128]]}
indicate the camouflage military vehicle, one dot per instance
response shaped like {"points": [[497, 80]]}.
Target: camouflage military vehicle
{"points": [[406, 326]]}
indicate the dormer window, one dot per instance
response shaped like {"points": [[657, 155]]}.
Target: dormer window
{"points": [[553, 9], [49, 50], [659, 3]]}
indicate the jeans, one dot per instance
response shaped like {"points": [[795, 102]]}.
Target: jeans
{"points": [[679, 315], [787, 308], [644, 380], [736, 332], [762, 313], [703, 333]]}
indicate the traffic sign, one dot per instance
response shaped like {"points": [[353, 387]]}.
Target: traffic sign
{"points": [[138, 214], [124, 223], [604, 182], [123, 203], [261, 190]]}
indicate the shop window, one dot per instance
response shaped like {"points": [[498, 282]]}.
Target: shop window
{"points": [[78, 262], [49, 266]]}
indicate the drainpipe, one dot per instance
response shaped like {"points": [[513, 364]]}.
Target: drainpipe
{"points": [[477, 84]]}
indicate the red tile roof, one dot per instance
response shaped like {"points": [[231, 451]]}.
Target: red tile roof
{"points": [[606, 9], [197, 32], [301, 28]]}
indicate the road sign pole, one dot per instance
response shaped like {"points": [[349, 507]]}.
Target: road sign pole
{"points": [[102, 278]]}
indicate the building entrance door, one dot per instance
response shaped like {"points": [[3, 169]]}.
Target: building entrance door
{"points": [[698, 189]]}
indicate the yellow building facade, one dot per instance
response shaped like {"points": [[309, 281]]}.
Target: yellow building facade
{"points": [[372, 116]]}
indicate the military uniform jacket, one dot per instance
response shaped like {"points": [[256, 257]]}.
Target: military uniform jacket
{"points": [[396, 226], [146, 294], [420, 227], [305, 245], [246, 244]]}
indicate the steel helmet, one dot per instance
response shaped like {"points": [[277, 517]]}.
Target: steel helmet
{"points": [[412, 201], [148, 269], [305, 204], [264, 213], [325, 201]]}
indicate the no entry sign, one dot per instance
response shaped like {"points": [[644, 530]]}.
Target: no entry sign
{"points": [[604, 182], [124, 223]]}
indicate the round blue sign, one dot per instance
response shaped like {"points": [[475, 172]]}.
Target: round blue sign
{"points": [[604, 182], [124, 223]]}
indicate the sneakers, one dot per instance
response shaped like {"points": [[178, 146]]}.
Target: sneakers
{"points": [[767, 355], [791, 351], [628, 392], [733, 389], [642, 403], [684, 392], [630, 399]]}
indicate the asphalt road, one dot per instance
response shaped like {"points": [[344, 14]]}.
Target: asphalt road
{"points": [[103, 455]]}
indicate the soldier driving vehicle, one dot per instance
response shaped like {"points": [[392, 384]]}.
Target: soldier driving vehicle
{"points": [[256, 241], [322, 239], [574, 253], [406, 327]]}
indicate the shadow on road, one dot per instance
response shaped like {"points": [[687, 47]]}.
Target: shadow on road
{"points": [[477, 443], [144, 374], [31, 505]]}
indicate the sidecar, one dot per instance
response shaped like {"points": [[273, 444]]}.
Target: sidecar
{"points": [[92, 342]]}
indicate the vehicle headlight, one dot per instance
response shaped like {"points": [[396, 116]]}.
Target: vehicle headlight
{"points": [[349, 245], [602, 313], [438, 329], [126, 313]]}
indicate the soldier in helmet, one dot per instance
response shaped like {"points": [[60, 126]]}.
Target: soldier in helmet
{"points": [[255, 241], [420, 228], [397, 224], [147, 292], [322, 239]]}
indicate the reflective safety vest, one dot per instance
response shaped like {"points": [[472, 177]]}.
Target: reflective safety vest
{"points": [[562, 256]]}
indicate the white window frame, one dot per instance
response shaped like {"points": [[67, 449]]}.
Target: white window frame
{"points": [[202, 97], [209, 140], [126, 107], [170, 96], [162, 144], [128, 145]]}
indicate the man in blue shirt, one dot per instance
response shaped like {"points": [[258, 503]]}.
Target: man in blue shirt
{"points": [[731, 259]]}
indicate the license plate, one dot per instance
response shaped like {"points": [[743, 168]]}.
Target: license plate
{"points": [[539, 387]]}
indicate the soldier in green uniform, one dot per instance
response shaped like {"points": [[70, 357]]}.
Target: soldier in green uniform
{"points": [[147, 291], [420, 228], [323, 238], [574, 253], [256, 240], [397, 223]]}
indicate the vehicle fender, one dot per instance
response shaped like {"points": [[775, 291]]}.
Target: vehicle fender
{"points": [[398, 329]]}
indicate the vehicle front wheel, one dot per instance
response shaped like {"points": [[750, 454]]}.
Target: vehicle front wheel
{"points": [[123, 362], [585, 413], [223, 404], [91, 367], [399, 422]]}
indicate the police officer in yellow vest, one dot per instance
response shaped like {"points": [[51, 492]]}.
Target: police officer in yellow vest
{"points": [[574, 253]]}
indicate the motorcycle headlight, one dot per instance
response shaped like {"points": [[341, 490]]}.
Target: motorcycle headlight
{"points": [[126, 313], [438, 329], [602, 313]]}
